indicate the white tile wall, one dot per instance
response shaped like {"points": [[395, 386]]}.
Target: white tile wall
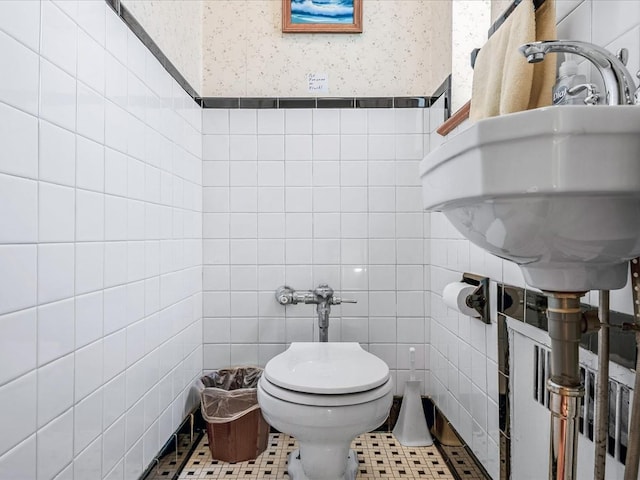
{"points": [[301, 197], [108, 251], [81, 364], [462, 351]]}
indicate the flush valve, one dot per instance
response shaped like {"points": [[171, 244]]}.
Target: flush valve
{"points": [[323, 296]]}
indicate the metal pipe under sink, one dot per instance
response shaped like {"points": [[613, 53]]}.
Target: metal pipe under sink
{"points": [[564, 385]]}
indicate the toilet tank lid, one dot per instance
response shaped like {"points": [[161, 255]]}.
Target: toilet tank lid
{"points": [[329, 368]]}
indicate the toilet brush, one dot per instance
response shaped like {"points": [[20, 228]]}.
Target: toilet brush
{"points": [[411, 428]]}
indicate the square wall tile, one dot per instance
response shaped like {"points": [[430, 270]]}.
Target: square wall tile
{"points": [[90, 113], [18, 277], [19, 82], [56, 213], [91, 61], [216, 356], [89, 362], [243, 121], [326, 121], [611, 18], [56, 271], [353, 121], [88, 318], [270, 122], [298, 121], [87, 423], [18, 209], [57, 96], [20, 462], [57, 154], [19, 138], [21, 20], [55, 330], [18, 407], [58, 38], [18, 344], [215, 121], [89, 164], [55, 389]]}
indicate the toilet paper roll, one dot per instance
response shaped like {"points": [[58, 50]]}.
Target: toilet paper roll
{"points": [[455, 296]]}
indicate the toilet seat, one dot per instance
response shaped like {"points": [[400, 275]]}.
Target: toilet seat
{"points": [[327, 400], [327, 369]]}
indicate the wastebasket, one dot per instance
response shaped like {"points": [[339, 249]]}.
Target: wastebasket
{"points": [[235, 426]]}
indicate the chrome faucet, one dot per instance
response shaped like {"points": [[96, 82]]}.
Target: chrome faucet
{"points": [[620, 88], [323, 296]]}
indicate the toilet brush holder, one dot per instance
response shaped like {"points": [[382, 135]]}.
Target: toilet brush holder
{"points": [[411, 429]]}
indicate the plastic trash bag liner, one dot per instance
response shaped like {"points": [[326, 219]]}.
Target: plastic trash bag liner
{"points": [[229, 393]]}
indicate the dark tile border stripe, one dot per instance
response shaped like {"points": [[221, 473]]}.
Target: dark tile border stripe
{"points": [[219, 102], [297, 103], [144, 37], [444, 90], [328, 102], [382, 102], [336, 103], [258, 103], [271, 102]]}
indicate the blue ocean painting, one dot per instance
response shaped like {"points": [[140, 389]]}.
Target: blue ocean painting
{"points": [[321, 11]]}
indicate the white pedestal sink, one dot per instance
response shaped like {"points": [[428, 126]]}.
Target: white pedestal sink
{"points": [[555, 190]]}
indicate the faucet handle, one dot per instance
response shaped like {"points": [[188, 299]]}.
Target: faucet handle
{"points": [[623, 56], [592, 92], [338, 300]]}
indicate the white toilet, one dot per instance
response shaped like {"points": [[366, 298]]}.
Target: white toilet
{"points": [[325, 394]]}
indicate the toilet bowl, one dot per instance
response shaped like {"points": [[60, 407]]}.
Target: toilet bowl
{"points": [[325, 394]]}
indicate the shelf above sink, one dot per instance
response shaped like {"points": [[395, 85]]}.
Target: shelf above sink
{"points": [[555, 190]]}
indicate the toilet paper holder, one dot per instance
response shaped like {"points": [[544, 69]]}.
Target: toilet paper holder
{"points": [[479, 299]]}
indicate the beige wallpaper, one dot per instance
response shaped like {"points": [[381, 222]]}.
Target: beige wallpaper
{"points": [[176, 26], [471, 22], [405, 49]]}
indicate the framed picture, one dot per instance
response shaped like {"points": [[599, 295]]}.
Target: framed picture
{"points": [[322, 16]]}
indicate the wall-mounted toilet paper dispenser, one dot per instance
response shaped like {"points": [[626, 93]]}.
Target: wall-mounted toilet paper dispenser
{"points": [[470, 296]]}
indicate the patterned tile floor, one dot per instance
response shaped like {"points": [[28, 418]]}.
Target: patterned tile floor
{"points": [[464, 465], [380, 456]]}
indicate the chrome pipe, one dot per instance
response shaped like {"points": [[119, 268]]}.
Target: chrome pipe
{"points": [[323, 309], [564, 403], [602, 390], [564, 316]]}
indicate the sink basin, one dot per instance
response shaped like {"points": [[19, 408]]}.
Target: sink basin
{"points": [[555, 190]]}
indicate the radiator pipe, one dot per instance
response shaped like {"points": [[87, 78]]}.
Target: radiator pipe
{"points": [[633, 452], [602, 389]]}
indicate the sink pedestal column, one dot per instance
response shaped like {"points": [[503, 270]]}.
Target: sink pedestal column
{"points": [[564, 385]]}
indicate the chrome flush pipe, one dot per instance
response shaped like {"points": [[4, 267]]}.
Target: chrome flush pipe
{"points": [[620, 88], [324, 295], [602, 389], [564, 385]]}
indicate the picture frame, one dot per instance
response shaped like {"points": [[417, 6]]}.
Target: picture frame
{"points": [[322, 16]]}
